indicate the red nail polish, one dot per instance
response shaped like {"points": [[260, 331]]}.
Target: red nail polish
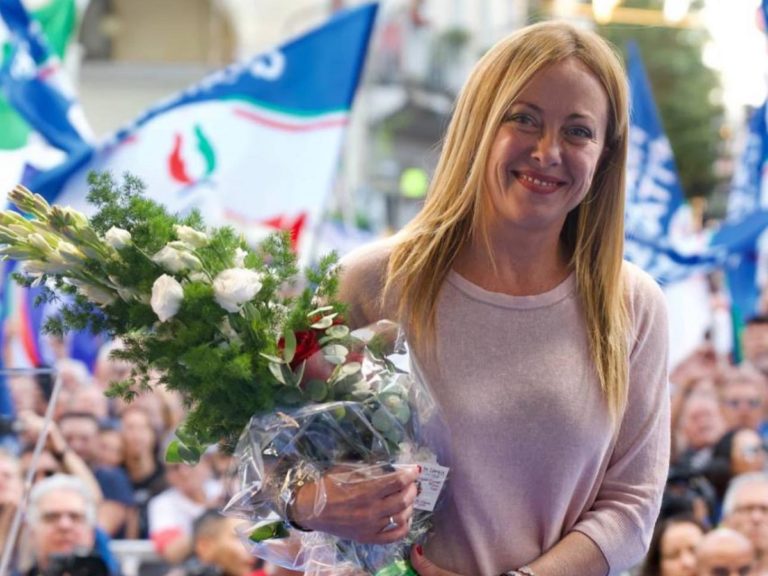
{"points": [[419, 550]]}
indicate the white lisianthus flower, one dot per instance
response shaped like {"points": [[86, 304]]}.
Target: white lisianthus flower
{"points": [[117, 237], [176, 261], [167, 296], [190, 236], [240, 255], [235, 286]]}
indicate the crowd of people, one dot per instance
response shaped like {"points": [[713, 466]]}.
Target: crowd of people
{"points": [[714, 513], [101, 476]]}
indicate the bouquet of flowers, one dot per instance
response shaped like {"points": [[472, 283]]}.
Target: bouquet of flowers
{"points": [[258, 350]]}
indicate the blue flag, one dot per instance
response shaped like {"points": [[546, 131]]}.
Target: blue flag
{"points": [[745, 204], [657, 217], [659, 230], [33, 82], [254, 146]]}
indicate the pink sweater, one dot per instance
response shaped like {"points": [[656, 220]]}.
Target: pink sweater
{"points": [[530, 448]]}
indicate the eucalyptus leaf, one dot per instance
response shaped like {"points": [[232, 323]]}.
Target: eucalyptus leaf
{"points": [[382, 420], [338, 331], [277, 371], [271, 358], [172, 455], [394, 434], [298, 375], [289, 378], [324, 322], [268, 531], [349, 368], [321, 310], [317, 390], [403, 413], [334, 352], [289, 349]]}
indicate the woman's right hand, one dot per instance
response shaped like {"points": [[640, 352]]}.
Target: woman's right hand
{"points": [[359, 509]]}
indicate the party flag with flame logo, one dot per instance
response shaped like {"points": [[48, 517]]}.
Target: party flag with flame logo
{"points": [[254, 145]]}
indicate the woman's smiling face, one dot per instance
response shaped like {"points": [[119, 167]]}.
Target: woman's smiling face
{"points": [[547, 149]]}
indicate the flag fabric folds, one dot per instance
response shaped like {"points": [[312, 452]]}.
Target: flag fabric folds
{"points": [[660, 234], [254, 144], [34, 83]]}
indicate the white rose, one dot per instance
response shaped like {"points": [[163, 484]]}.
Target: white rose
{"points": [[167, 295], [175, 260], [190, 236], [235, 286], [240, 255], [117, 237]]}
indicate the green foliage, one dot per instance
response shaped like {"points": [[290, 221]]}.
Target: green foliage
{"points": [[212, 355]]}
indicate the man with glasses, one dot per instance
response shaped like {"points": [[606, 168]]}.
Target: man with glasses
{"points": [[61, 519], [745, 509], [725, 552], [742, 397]]}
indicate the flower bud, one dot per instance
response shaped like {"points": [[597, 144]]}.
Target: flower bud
{"points": [[176, 261], [190, 236], [239, 259], [36, 240], [117, 237]]}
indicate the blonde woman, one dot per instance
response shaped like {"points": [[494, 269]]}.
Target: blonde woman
{"points": [[546, 352]]}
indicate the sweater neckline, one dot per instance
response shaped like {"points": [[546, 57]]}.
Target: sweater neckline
{"points": [[548, 298]]}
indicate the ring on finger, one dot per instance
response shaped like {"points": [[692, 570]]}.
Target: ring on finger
{"points": [[391, 525]]}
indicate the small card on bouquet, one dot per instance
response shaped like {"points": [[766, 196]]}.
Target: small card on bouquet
{"points": [[430, 483]]}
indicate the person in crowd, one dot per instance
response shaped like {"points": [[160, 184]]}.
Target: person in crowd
{"points": [[116, 510], [172, 513], [90, 399], [217, 549], [745, 509], [701, 426], [57, 455], [10, 493], [546, 353], [74, 374], [108, 369], [725, 552], [742, 397], [111, 451], [754, 340], [145, 468], [739, 451], [672, 551], [26, 393], [61, 522]]}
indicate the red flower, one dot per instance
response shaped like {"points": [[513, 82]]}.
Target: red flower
{"points": [[307, 343]]}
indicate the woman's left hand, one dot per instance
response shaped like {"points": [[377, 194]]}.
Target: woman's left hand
{"points": [[424, 566]]}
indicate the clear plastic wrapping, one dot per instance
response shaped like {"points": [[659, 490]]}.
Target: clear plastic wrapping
{"points": [[370, 421]]}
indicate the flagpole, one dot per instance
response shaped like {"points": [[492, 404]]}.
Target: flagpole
{"points": [[10, 541]]}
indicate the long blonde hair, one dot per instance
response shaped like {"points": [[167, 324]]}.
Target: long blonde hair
{"points": [[593, 234]]}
